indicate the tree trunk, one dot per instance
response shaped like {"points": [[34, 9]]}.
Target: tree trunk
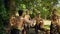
{"points": [[10, 7]]}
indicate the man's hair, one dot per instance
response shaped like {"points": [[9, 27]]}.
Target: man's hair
{"points": [[38, 13], [54, 10], [20, 12], [27, 11]]}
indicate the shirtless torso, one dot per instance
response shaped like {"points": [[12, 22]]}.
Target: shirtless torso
{"points": [[17, 22], [39, 21], [20, 23]]}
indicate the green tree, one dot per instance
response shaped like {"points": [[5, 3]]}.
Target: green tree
{"points": [[39, 5]]}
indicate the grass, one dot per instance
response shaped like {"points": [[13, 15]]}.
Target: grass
{"points": [[47, 27]]}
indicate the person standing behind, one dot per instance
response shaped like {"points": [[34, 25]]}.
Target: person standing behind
{"points": [[26, 22], [54, 23], [39, 23]]}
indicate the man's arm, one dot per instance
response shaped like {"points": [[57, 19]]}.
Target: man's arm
{"points": [[26, 19], [12, 21], [41, 24]]}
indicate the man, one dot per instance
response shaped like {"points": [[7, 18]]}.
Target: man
{"points": [[26, 22], [54, 23], [39, 23], [17, 23]]}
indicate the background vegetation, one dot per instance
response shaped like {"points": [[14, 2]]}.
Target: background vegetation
{"points": [[10, 7]]}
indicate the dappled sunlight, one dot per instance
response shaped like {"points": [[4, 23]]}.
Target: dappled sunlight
{"points": [[29, 16], [47, 22]]}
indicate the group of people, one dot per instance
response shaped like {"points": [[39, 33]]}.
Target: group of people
{"points": [[21, 24]]}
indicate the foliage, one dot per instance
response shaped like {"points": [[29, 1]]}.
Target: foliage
{"points": [[43, 6], [3, 16]]}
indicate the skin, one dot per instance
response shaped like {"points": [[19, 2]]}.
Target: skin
{"points": [[58, 21], [26, 19], [17, 22], [54, 18], [20, 22], [39, 20], [12, 21]]}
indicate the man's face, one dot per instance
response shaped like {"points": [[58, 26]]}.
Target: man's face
{"points": [[39, 15], [54, 12], [27, 12]]}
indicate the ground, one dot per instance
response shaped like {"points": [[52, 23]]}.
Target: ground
{"points": [[46, 26]]}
